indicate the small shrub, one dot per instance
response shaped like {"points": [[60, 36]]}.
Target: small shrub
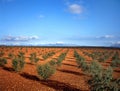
{"points": [[10, 55], [114, 86], [95, 69], [45, 56], [18, 64], [101, 59], [81, 61], [3, 61], [21, 56], [1, 53], [115, 62], [33, 58], [45, 71], [52, 62], [60, 59], [84, 66], [116, 56], [15, 64], [102, 78]]}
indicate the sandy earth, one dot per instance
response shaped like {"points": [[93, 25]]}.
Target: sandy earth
{"points": [[67, 77]]}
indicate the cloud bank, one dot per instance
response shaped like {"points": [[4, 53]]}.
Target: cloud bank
{"points": [[106, 37], [19, 38]]}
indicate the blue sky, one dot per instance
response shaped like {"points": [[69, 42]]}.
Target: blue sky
{"points": [[79, 22]]}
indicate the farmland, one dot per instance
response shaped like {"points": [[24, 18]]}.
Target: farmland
{"points": [[69, 68]]}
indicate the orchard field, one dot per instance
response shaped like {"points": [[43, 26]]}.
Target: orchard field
{"points": [[59, 69]]}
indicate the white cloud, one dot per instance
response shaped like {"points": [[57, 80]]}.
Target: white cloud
{"points": [[106, 36], [19, 38], [2, 43], [16, 43], [49, 42], [116, 43], [109, 36], [34, 37], [59, 42], [75, 8]]}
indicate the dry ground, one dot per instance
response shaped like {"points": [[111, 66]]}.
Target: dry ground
{"points": [[67, 77]]}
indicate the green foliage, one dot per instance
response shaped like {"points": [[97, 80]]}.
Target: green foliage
{"points": [[99, 56], [76, 55], [45, 56], [52, 62], [10, 55], [21, 55], [1, 53], [3, 61], [115, 63], [84, 66], [107, 75], [81, 61], [101, 59], [33, 58], [18, 63], [95, 69], [101, 78], [114, 86], [61, 58], [116, 56], [115, 60], [45, 71], [15, 64], [93, 55]]}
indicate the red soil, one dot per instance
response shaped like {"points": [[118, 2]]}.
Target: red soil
{"points": [[67, 77]]}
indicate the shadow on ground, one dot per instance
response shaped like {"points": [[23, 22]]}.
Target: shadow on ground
{"points": [[29, 63], [117, 70], [8, 69], [51, 83], [70, 72], [69, 64], [71, 61]]}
